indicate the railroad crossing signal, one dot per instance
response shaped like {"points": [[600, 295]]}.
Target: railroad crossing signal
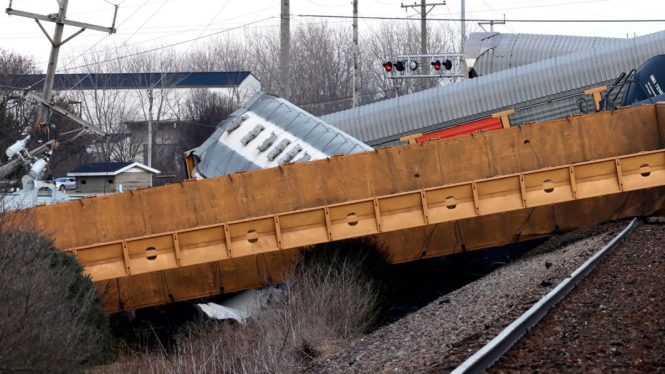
{"points": [[446, 65]]}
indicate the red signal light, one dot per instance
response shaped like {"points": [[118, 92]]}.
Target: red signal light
{"points": [[388, 66], [446, 64]]}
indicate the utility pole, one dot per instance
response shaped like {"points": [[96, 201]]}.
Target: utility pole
{"points": [[285, 48], [423, 29], [356, 56], [463, 27], [60, 20], [53, 58], [423, 36], [150, 124]]}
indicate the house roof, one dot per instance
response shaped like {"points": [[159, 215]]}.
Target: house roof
{"points": [[108, 169], [92, 81]]}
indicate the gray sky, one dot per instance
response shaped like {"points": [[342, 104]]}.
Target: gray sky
{"points": [[152, 23]]}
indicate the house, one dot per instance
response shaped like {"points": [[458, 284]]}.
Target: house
{"points": [[108, 177], [181, 106]]}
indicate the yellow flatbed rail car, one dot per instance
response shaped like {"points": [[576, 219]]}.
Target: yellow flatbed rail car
{"points": [[201, 238]]}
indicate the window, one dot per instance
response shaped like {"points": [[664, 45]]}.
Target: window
{"points": [[83, 181], [110, 181]]}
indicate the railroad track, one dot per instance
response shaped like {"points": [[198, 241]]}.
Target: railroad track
{"points": [[508, 337]]}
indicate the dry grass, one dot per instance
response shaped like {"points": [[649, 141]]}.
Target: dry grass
{"points": [[333, 296]]}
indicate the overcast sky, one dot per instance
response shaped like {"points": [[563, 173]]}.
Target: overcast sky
{"points": [[152, 23]]}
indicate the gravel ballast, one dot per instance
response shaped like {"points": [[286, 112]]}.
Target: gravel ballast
{"points": [[612, 322], [444, 333]]}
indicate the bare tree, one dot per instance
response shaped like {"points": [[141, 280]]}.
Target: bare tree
{"points": [[320, 81], [322, 61], [16, 115], [388, 40]]}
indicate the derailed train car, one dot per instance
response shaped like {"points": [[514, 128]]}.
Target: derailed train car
{"points": [[222, 234], [243, 229]]}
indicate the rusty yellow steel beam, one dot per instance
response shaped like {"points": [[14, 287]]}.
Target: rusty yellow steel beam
{"points": [[372, 216]]}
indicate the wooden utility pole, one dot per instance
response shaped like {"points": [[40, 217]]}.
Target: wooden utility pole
{"points": [[150, 125], [53, 58], [463, 27], [356, 56], [423, 36], [60, 20], [424, 63], [285, 48]]}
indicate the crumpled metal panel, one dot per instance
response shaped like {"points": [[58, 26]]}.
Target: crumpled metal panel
{"points": [[267, 132], [386, 121]]}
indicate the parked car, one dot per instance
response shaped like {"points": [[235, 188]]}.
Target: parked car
{"points": [[68, 183]]}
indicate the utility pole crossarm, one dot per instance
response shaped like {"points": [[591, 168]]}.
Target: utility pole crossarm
{"points": [[423, 28], [60, 20], [419, 5], [65, 113], [54, 19], [492, 23]]}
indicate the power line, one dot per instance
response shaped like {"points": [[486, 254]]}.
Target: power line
{"points": [[147, 20], [488, 20], [168, 45]]}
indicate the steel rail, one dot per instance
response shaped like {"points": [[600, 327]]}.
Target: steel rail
{"points": [[506, 339]]}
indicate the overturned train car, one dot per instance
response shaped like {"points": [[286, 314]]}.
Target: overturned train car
{"points": [[201, 238]]}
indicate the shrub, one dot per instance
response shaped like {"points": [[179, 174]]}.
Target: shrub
{"points": [[51, 318]]}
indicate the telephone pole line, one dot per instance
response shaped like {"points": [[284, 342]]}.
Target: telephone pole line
{"points": [[423, 28], [463, 27], [285, 48], [356, 56], [60, 20]]}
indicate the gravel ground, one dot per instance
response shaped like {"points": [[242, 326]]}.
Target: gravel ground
{"points": [[612, 322], [444, 333]]}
